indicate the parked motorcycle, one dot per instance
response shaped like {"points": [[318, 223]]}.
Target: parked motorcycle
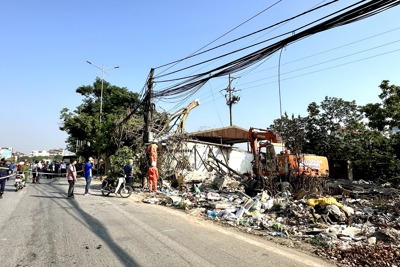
{"points": [[108, 186], [19, 183]]}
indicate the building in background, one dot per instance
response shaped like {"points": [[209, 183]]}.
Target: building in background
{"points": [[39, 153]]}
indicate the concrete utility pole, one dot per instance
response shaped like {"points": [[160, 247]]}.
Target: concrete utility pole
{"points": [[148, 108], [230, 98]]}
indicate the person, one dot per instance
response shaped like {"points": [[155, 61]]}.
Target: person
{"points": [[87, 172], [34, 171], [4, 171], [153, 177], [120, 182], [25, 171], [128, 171], [152, 153], [63, 168], [12, 167], [71, 177], [19, 166], [56, 168], [39, 172]]}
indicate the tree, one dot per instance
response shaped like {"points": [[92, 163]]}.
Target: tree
{"points": [[384, 118], [386, 115], [332, 128], [86, 135], [292, 132], [336, 129]]}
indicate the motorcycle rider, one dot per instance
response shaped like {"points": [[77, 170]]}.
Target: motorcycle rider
{"points": [[120, 182], [128, 169]]}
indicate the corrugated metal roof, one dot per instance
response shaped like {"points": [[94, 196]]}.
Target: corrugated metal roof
{"points": [[226, 135]]}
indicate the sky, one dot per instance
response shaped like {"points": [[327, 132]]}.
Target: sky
{"points": [[46, 45]]}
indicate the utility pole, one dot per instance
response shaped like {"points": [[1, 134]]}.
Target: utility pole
{"points": [[148, 108], [231, 98]]}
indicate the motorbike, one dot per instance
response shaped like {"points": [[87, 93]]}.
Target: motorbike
{"points": [[19, 183], [108, 186]]}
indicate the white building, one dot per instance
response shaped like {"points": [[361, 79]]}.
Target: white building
{"points": [[39, 153]]}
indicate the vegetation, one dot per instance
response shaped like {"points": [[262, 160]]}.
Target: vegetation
{"points": [[90, 137], [342, 131]]}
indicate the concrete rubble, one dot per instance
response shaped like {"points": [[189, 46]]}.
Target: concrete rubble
{"points": [[359, 227]]}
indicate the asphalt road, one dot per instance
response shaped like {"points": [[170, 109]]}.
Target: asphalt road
{"points": [[39, 226]]}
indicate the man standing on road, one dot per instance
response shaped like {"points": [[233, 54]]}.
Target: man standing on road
{"points": [[71, 176], [4, 171], [87, 172]]}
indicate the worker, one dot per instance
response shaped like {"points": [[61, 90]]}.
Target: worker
{"points": [[153, 177], [152, 153], [25, 169]]}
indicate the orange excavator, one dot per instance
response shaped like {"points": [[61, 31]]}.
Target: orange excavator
{"points": [[271, 158]]}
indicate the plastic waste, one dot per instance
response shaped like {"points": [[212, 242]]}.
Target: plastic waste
{"points": [[212, 214]]}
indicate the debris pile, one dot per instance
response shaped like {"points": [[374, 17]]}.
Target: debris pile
{"points": [[358, 227]]}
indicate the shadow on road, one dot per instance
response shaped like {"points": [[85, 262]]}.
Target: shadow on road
{"points": [[100, 230]]}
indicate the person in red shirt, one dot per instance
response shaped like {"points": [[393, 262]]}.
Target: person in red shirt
{"points": [[153, 177]]}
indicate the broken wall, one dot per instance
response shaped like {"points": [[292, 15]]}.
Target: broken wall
{"points": [[207, 157]]}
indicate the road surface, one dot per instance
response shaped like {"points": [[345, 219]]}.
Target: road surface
{"points": [[41, 227]]}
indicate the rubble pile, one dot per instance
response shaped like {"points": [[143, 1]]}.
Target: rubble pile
{"points": [[377, 255], [360, 227]]}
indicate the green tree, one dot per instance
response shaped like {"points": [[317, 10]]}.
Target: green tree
{"points": [[331, 126], [386, 115], [86, 135], [120, 159], [292, 132], [384, 118]]}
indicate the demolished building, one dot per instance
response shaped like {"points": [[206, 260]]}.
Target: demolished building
{"points": [[206, 154]]}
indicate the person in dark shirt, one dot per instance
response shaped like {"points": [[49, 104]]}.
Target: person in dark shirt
{"points": [[128, 171], [4, 172]]}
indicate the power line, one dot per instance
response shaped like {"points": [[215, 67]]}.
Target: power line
{"points": [[312, 72], [195, 53], [331, 60], [326, 51], [240, 38], [245, 36], [355, 14]]}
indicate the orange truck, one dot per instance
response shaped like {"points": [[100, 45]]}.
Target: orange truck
{"points": [[271, 157]]}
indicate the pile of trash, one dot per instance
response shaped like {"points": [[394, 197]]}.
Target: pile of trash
{"points": [[354, 229]]}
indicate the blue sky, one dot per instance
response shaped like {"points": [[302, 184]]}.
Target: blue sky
{"points": [[46, 44]]}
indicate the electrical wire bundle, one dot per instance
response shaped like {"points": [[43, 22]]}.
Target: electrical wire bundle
{"points": [[189, 85]]}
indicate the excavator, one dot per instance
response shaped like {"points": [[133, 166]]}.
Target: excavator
{"points": [[272, 158]]}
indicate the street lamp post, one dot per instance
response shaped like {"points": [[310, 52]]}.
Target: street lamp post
{"points": [[103, 70]]}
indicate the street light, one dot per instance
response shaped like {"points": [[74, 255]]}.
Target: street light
{"points": [[103, 70]]}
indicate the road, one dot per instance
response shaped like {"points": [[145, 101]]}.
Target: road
{"points": [[41, 227]]}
